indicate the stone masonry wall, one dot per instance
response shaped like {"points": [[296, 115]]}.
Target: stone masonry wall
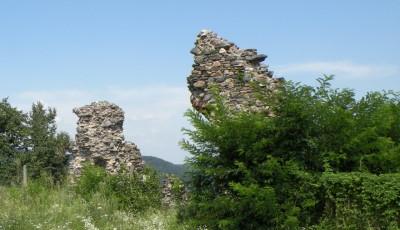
{"points": [[167, 196], [100, 140], [220, 63]]}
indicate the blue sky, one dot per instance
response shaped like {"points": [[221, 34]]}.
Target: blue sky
{"points": [[68, 53]]}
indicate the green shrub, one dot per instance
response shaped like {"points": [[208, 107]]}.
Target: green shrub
{"points": [[252, 171], [361, 200], [237, 184], [178, 189], [134, 192], [90, 180]]}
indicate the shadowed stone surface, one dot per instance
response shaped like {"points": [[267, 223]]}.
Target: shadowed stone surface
{"points": [[233, 71], [100, 140]]}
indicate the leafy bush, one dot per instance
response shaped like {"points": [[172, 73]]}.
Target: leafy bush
{"points": [[253, 171], [236, 184], [134, 192], [90, 181], [361, 200], [328, 129], [178, 188]]}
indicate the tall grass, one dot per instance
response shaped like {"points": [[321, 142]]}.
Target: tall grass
{"points": [[42, 205]]}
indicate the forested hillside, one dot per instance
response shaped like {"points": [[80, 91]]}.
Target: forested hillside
{"points": [[164, 166]]}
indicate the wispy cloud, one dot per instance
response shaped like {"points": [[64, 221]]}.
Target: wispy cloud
{"points": [[153, 114], [339, 68]]}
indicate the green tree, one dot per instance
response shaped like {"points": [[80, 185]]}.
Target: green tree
{"points": [[325, 128], [12, 141], [48, 148]]}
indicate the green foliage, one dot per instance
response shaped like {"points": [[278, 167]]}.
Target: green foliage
{"points": [[325, 128], [90, 180], [241, 77], [178, 187], [30, 139], [232, 175], [178, 191], [48, 147], [252, 171], [361, 200], [43, 205], [12, 141], [134, 192]]}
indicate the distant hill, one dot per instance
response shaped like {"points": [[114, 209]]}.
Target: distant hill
{"points": [[164, 166]]}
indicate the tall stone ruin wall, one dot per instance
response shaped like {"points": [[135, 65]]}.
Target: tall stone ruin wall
{"points": [[100, 141], [233, 71]]}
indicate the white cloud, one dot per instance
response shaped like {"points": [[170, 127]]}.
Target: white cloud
{"points": [[339, 68], [153, 114]]}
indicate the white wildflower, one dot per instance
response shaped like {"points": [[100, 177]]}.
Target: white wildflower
{"points": [[88, 224]]}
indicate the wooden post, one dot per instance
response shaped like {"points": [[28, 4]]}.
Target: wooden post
{"points": [[24, 176]]}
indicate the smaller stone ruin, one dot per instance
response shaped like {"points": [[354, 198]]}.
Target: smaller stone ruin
{"points": [[167, 196], [100, 141], [232, 71]]}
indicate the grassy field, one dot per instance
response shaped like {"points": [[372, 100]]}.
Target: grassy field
{"points": [[59, 207]]}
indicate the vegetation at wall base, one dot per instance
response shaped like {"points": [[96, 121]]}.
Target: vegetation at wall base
{"points": [[134, 192], [322, 159], [97, 201]]}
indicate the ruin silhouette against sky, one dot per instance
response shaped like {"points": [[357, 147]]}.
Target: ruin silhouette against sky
{"points": [[136, 54]]}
